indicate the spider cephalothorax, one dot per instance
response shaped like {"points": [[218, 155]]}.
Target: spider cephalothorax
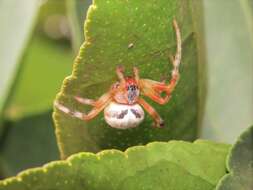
{"points": [[127, 90], [123, 103]]}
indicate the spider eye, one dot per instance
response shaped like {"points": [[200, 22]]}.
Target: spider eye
{"points": [[132, 87]]}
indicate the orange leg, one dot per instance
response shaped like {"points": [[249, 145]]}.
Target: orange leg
{"points": [[136, 74], [158, 120], [176, 62], [99, 105], [167, 88], [120, 74], [150, 92], [153, 89], [92, 102], [86, 117], [151, 86], [95, 111], [158, 99]]}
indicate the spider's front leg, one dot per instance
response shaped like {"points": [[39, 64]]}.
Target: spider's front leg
{"points": [[99, 105], [158, 120], [153, 89], [120, 73], [175, 61], [147, 87], [177, 58]]}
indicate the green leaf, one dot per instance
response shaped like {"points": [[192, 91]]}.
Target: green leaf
{"points": [[240, 164], [148, 179], [175, 165], [111, 26], [229, 43], [17, 19], [76, 11], [32, 139], [40, 78]]}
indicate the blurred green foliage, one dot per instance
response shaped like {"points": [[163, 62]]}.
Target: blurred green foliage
{"points": [[228, 35], [37, 52], [77, 14], [45, 61], [239, 164], [30, 142], [17, 20]]}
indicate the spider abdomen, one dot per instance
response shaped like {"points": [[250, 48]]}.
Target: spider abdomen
{"points": [[123, 116]]}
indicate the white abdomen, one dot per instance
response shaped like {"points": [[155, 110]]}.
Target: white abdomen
{"points": [[123, 116]]}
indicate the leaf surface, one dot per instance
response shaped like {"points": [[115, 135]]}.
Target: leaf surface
{"points": [[240, 164], [130, 33], [174, 165], [147, 179]]}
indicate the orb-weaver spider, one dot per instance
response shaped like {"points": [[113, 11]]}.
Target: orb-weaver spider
{"points": [[122, 103]]}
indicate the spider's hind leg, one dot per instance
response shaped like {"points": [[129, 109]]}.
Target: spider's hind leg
{"points": [[156, 117]]}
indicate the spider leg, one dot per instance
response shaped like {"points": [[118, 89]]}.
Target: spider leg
{"points": [[66, 110], [150, 92], [151, 85], [159, 99], [99, 105], [120, 73], [91, 102], [86, 117], [158, 120], [177, 57], [85, 101], [176, 62], [136, 74], [153, 89], [96, 110]]}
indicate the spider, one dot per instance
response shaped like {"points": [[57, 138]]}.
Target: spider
{"points": [[122, 104]]}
